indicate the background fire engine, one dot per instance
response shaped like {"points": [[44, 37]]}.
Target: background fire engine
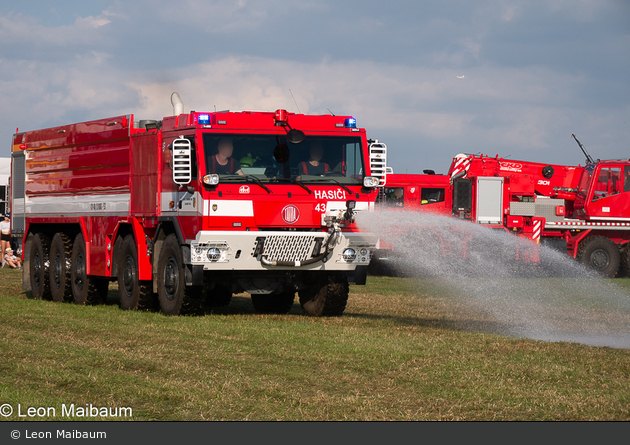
{"points": [[584, 211]]}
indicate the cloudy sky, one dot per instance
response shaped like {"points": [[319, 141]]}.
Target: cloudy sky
{"points": [[430, 79]]}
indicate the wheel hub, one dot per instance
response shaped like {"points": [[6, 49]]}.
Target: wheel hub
{"points": [[600, 259], [79, 272], [57, 270], [129, 275], [171, 278], [37, 268]]}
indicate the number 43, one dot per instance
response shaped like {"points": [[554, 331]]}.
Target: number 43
{"points": [[321, 207]]}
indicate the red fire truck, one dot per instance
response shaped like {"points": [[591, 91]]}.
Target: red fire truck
{"points": [[584, 209], [441, 195], [195, 207]]}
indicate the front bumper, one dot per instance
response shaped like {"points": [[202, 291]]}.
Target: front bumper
{"points": [[252, 251]]}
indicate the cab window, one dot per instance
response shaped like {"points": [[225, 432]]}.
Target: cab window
{"points": [[394, 196], [609, 182], [431, 195]]}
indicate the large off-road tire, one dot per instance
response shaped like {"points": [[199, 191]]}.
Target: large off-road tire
{"points": [[600, 254], [60, 266], [275, 303], [86, 289], [133, 293], [171, 281], [625, 259], [326, 296], [39, 265]]}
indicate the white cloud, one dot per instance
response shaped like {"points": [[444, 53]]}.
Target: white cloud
{"points": [[27, 32], [585, 10], [518, 105], [91, 22]]}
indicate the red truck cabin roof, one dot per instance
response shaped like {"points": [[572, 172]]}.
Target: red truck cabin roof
{"points": [[261, 120]]}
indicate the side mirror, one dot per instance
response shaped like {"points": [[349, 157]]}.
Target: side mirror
{"points": [[182, 161], [295, 136]]}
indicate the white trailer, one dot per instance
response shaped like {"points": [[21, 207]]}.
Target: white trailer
{"points": [[5, 174]]}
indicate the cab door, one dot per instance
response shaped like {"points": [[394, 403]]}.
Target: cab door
{"points": [[609, 196]]}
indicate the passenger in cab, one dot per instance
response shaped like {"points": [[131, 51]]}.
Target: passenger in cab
{"points": [[314, 166], [223, 163]]}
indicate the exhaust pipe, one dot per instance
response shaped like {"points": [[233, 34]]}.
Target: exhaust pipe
{"points": [[178, 105]]}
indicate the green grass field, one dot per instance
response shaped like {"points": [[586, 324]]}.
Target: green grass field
{"points": [[398, 353]]}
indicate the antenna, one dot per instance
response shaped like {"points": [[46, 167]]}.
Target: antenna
{"points": [[588, 156], [295, 101], [332, 114]]}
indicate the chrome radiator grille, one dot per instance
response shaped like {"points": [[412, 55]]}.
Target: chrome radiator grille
{"points": [[289, 248]]}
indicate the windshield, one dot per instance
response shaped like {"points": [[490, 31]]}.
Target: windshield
{"points": [[271, 158], [584, 180]]}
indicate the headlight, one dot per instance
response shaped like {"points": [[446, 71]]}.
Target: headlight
{"points": [[349, 255], [214, 254], [211, 179], [371, 181]]}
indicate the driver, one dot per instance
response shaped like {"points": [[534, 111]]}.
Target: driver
{"points": [[314, 166], [223, 163]]}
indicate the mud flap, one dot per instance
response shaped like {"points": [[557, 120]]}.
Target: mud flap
{"points": [[194, 275], [358, 276]]}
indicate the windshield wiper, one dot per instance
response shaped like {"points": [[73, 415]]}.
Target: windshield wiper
{"points": [[248, 179], [301, 184], [336, 182], [258, 182]]}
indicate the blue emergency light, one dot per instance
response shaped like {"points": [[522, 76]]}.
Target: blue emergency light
{"points": [[350, 122], [203, 119]]}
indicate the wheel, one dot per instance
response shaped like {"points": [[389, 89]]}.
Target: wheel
{"points": [[326, 296], [38, 259], [133, 293], [275, 303], [600, 254], [626, 260], [170, 277], [86, 289], [218, 296], [59, 270]]}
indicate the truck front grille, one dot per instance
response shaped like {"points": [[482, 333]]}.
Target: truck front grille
{"points": [[287, 248]]}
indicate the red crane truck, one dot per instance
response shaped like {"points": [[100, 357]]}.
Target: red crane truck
{"points": [[480, 201], [195, 207], [584, 209]]}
